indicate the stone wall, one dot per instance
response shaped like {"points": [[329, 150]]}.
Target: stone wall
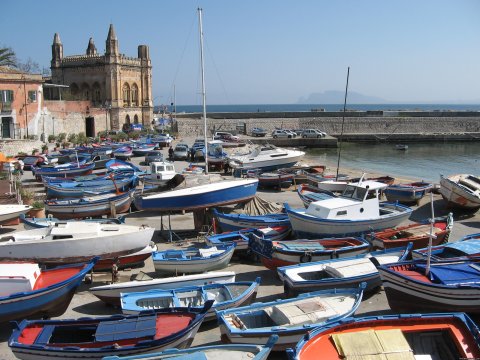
{"points": [[13, 147], [333, 125]]}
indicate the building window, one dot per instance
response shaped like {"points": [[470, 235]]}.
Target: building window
{"points": [[135, 119], [134, 95], [6, 96], [32, 96], [126, 95]]}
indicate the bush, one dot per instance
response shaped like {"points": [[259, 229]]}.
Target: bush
{"points": [[44, 148], [72, 138], [51, 138], [61, 137], [34, 151], [38, 204]]}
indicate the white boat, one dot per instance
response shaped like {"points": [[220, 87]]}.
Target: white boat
{"points": [[160, 173], [461, 191], [12, 211], [110, 294], [193, 260], [71, 242], [401, 147], [266, 157], [356, 211]]}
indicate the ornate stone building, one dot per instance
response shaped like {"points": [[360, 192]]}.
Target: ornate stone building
{"points": [[120, 85]]}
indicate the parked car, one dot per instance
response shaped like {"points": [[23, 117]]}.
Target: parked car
{"points": [[259, 132], [180, 152], [278, 133], [223, 135], [313, 133], [154, 155]]}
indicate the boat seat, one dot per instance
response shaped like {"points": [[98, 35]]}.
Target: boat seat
{"points": [[303, 246], [344, 269], [387, 259], [138, 327], [209, 251], [175, 254], [301, 312]]}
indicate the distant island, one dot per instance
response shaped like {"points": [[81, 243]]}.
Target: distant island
{"points": [[337, 97]]}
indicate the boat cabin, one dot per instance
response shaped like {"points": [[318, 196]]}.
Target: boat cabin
{"points": [[162, 168], [358, 201], [18, 277]]}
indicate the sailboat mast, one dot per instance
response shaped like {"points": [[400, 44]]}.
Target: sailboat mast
{"points": [[203, 88], [343, 123]]}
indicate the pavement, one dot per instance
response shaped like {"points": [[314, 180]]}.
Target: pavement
{"points": [[271, 288]]}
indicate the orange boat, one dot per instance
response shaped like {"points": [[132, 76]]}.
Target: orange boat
{"points": [[416, 233], [435, 336]]}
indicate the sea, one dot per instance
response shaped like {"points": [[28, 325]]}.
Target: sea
{"points": [[422, 161]]}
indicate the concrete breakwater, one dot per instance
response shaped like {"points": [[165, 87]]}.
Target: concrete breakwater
{"points": [[374, 126]]}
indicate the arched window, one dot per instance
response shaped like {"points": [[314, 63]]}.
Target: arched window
{"points": [[135, 119], [134, 95], [126, 95], [74, 91], [85, 92], [127, 119], [96, 94]]}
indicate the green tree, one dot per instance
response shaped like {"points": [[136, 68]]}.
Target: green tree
{"points": [[7, 57]]}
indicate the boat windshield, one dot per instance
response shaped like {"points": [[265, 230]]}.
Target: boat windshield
{"points": [[354, 192]]}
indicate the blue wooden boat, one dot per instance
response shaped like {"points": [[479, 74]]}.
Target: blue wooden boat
{"points": [[290, 319], [124, 152], [142, 149], [308, 193], [403, 336], [26, 291], [200, 197], [226, 296], [112, 183], [64, 170], [339, 273], [467, 246], [407, 193], [37, 223], [89, 206], [447, 286], [193, 260], [235, 222], [242, 237], [94, 338], [231, 352], [117, 165]]}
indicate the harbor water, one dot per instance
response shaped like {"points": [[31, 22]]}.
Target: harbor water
{"points": [[421, 161]]}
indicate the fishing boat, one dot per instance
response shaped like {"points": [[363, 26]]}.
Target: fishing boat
{"points": [[338, 185], [309, 193], [232, 352], [356, 211], [216, 155], [461, 191], [160, 173], [290, 319], [123, 153], [275, 254], [266, 157], [26, 291], [339, 273], [401, 147], [193, 260], [117, 165], [113, 183], [12, 211], [235, 221], [408, 193], [142, 149], [74, 241], [468, 246], [242, 237], [300, 172], [417, 233], [110, 294], [225, 296], [63, 170], [442, 286], [272, 179], [129, 261], [94, 338], [37, 223], [404, 336], [201, 196], [89, 206]]}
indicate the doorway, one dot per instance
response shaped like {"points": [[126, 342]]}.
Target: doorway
{"points": [[6, 127], [90, 126]]}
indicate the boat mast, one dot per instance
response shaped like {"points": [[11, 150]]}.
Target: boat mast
{"points": [[203, 88], [343, 123]]}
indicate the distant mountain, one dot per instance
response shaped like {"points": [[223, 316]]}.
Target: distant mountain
{"points": [[337, 97]]}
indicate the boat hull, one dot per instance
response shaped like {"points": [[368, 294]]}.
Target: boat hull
{"points": [[48, 302], [307, 226], [9, 212], [235, 222], [407, 193], [458, 196]]}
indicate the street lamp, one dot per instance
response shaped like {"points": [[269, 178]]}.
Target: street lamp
{"points": [[108, 106]]}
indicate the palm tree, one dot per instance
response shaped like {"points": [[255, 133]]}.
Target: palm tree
{"points": [[7, 57]]}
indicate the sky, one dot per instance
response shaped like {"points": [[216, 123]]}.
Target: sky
{"points": [[270, 51]]}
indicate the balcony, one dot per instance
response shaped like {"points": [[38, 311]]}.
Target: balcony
{"points": [[5, 108]]}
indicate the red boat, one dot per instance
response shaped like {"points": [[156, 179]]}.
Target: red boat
{"points": [[126, 261], [416, 233], [434, 336]]}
